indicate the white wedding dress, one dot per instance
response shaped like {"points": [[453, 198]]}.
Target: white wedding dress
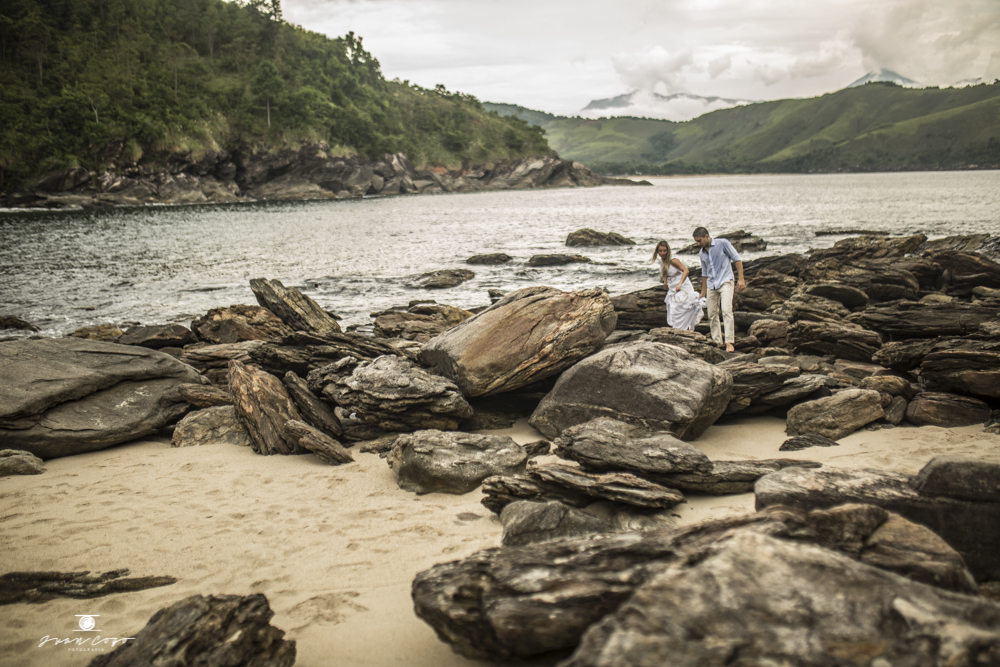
{"points": [[683, 308]]}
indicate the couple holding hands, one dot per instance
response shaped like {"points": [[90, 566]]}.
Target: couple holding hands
{"points": [[684, 308]]}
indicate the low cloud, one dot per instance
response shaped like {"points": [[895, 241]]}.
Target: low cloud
{"points": [[719, 66], [653, 68]]}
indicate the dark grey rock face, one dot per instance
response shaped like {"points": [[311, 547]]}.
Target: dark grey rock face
{"points": [[970, 528], [438, 462], [263, 406], [844, 341], [835, 416], [490, 259], [606, 444], [17, 462], [557, 260], [657, 386], [445, 278], [214, 630], [965, 371], [211, 426], [728, 477], [395, 394], [525, 522], [238, 323], [589, 237], [959, 477], [519, 602], [66, 396], [774, 602], [528, 335], [314, 411]]}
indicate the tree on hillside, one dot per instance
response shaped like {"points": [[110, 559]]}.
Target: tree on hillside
{"points": [[266, 85]]}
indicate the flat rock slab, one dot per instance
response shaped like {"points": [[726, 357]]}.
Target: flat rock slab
{"points": [[971, 528], [525, 522], [445, 278], [835, 416], [263, 406], [210, 426], [214, 630], [314, 411], [956, 477], [841, 340], [440, 462], [557, 260], [238, 323], [17, 462], [36, 587], [729, 477], [67, 396], [606, 444], [158, 336], [966, 371], [648, 384], [774, 602], [528, 335], [589, 238]]}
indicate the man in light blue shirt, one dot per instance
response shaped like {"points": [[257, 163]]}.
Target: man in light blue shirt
{"points": [[717, 257]]}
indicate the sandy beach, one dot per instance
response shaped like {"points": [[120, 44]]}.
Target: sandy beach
{"points": [[334, 548]]}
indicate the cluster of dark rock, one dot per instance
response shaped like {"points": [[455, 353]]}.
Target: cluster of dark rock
{"points": [[310, 172]]}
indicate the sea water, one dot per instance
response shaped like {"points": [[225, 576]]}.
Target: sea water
{"points": [[162, 264]]}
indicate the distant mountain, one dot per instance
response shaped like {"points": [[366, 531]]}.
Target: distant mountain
{"points": [[531, 116], [879, 127], [647, 104], [885, 75]]}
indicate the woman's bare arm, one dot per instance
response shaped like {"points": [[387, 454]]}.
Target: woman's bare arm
{"points": [[678, 264]]}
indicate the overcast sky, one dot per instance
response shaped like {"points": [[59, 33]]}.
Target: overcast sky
{"points": [[559, 55]]}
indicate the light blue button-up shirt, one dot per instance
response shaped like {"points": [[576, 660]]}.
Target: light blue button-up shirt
{"points": [[716, 262]]}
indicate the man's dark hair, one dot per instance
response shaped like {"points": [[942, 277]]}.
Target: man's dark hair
{"points": [[700, 232]]}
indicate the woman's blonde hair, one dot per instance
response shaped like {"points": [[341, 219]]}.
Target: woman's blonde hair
{"points": [[666, 260]]}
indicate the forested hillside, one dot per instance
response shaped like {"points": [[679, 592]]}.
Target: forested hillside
{"points": [[877, 127], [106, 83]]}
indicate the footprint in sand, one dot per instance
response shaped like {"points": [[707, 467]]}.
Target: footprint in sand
{"points": [[328, 609]]}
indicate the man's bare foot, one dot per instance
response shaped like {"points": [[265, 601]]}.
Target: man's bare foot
{"points": [[730, 348]]}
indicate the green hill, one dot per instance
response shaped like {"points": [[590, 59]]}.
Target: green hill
{"points": [[107, 83], [878, 126]]}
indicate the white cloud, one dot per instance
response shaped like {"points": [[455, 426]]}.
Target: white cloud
{"points": [[719, 65], [648, 69]]}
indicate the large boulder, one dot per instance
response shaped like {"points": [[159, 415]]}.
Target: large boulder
{"points": [[640, 310], [439, 462], [972, 528], [912, 319], [158, 336], [845, 341], [18, 462], [528, 335], [932, 408], [752, 380], [395, 394], [67, 396], [263, 406], [772, 602], [654, 385], [966, 371], [835, 416], [526, 522]]}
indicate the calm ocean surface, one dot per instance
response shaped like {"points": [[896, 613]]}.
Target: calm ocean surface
{"points": [[155, 265]]}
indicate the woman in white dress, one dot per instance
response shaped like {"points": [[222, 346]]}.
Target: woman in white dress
{"points": [[683, 307]]}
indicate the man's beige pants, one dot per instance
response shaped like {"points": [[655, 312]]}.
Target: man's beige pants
{"points": [[722, 297]]}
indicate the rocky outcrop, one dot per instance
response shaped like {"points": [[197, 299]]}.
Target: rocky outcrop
{"points": [[729, 477], [66, 396], [641, 310], [314, 411], [969, 527], [589, 238], [238, 323], [910, 319], [444, 278], [293, 307], [752, 380], [319, 443], [214, 630], [557, 260], [490, 259], [210, 426], [965, 371], [657, 386], [743, 242], [438, 462], [307, 173], [835, 416], [397, 395], [529, 335], [959, 477], [519, 602], [845, 341], [773, 602], [12, 322], [18, 462]]}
